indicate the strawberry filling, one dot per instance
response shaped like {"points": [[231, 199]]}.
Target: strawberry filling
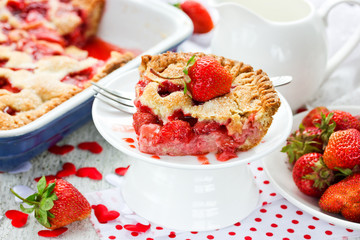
{"points": [[5, 84], [81, 77], [184, 135]]}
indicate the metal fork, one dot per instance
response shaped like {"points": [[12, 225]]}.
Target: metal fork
{"points": [[124, 101]]}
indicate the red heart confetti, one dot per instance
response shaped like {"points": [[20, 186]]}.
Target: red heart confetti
{"points": [[67, 170], [48, 178], [137, 227], [61, 150], [18, 218], [52, 233], [121, 170], [89, 172], [93, 147], [103, 215]]}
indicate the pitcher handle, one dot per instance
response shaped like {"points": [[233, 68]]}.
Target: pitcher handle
{"points": [[349, 45]]}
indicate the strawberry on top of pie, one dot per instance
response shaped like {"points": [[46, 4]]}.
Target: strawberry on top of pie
{"points": [[43, 55], [169, 122]]}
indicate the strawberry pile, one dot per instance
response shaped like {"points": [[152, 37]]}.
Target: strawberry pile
{"points": [[325, 157]]}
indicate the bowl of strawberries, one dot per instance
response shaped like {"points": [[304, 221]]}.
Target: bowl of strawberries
{"points": [[317, 169]]}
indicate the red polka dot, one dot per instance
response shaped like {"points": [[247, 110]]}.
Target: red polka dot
{"points": [[112, 237], [232, 233], [135, 234], [263, 210], [149, 239], [258, 219], [260, 168], [295, 221], [264, 203], [274, 225], [172, 235], [269, 234], [253, 229], [328, 232], [285, 239], [299, 213], [316, 219], [260, 191], [248, 238], [307, 236], [119, 227], [290, 230], [266, 182], [273, 194], [237, 224], [210, 237], [311, 227], [349, 230], [194, 232], [331, 224], [283, 206], [278, 215], [159, 228]]}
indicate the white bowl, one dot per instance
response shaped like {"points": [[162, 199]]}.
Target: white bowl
{"points": [[277, 169], [202, 197]]}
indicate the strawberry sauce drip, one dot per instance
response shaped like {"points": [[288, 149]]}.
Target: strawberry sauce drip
{"points": [[100, 49], [132, 146], [203, 159], [5, 84], [129, 140], [155, 157]]}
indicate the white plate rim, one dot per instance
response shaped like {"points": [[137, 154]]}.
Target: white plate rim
{"points": [[314, 210]]}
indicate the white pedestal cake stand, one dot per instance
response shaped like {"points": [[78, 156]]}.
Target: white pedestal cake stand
{"points": [[179, 192]]}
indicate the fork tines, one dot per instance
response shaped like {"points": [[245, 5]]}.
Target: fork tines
{"points": [[119, 100]]}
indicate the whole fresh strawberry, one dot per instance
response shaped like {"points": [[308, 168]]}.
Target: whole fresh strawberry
{"points": [[309, 139], [199, 16], [311, 176], [343, 149], [314, 116], [343, 197], [303, 141], [207, 78], [56, 204], [344, 120]]}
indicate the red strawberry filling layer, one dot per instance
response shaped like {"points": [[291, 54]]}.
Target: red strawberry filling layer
{"points": [[184, 135]]}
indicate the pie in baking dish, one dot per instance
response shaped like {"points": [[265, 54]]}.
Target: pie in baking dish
{"points": [[43, 56], [169, 122]]}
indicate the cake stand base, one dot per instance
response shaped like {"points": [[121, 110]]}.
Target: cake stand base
{"points": [[190, 199]]}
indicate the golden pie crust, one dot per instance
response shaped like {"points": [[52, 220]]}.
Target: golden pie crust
{"points": [[252, 95]]}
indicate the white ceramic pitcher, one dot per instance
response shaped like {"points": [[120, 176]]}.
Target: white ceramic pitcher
{"points": [[282, 37]]}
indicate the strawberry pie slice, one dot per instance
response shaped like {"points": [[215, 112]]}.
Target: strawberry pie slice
{"points": [[186, 105]]}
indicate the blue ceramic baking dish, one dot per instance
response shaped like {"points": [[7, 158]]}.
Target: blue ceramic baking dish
{"points": [[149, 26]]}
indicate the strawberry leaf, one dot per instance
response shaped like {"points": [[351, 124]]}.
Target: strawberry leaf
{"points": [[41, 185], [26, 210], [189, 64], [46, 204], [42, 218]]}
